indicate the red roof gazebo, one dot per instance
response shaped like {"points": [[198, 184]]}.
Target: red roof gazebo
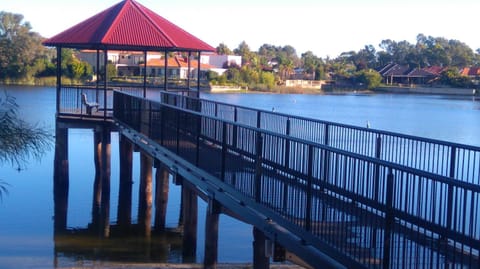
{"points": [[126, 26]]}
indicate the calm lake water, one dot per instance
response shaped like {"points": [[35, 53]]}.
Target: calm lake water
{"points": [[26, 212]]}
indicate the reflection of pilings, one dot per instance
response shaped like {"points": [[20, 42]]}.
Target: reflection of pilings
{"points": [[190, 220], [97, 184], [211, 235], [105, 201], [161, 197], [60, 180], [124, 214], [260, 259], [145, 194]]}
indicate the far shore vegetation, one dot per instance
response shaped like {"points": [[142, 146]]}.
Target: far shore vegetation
{"points": [[25, 61]]}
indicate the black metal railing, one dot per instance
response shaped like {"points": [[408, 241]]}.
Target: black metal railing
{"points": [[70, 102], [376, 213], [458, 161]]}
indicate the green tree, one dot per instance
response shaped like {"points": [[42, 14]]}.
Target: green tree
{"points": [[19, 47], [370, 78], [111, 70], [223, 49], [268, 79], [73, 68], [451, 76], [19, 140], [311, 63]]}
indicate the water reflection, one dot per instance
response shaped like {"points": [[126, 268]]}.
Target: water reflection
{"points": [[84, 245], [100, 240], [26, 225]]}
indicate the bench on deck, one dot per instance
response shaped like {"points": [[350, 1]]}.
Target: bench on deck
{"points": [[88, 105]]}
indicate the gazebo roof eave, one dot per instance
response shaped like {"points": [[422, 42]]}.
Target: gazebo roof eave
{"points": [[100, 46]]}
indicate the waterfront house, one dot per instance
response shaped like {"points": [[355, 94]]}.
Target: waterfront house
{"points": [[473, 73], [404, 75], [177, 68]]}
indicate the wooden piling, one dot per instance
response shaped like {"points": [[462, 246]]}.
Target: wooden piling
{"points": [[124, 212], [190, 220], [211, 235], [145, 195], [60, 180], [260, 259], [161, 197]]}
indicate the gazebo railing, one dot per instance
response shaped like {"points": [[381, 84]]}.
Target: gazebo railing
{"points": [[69, 101]]}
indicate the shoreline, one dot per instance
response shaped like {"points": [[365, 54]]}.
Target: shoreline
{"points": [[430, 90], [445, 91]]}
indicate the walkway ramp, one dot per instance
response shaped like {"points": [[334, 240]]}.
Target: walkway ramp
{"points": [[330, 205]]}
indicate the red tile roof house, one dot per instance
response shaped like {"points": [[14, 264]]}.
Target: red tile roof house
{"points": [[473, 73], [177, 68]]}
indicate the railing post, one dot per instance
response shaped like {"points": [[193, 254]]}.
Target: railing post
{"points": [[287, 144], [388, 220], [376, 183], [259, 117], [308, 207], [150, 121], [216, 115], [258, 168], [224, 150], [326, 156], [326, 136], [162, 124], [178, 131], [199, 132], [287, 164], [235, 118], [453, 157]]}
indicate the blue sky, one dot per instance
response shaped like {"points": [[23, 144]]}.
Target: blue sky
{"points": [[327, 28]]}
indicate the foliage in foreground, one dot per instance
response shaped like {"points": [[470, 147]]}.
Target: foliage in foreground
{"points": [[19, 140]]}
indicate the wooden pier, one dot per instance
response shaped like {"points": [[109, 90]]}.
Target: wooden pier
{"points": [[320, 204], [322, 194]]}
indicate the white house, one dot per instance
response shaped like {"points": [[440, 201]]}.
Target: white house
{"points": [[130, 63], [221, 61]]}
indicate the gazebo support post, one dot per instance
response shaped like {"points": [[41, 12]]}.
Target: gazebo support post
{"points": [[97, 74], [165, 71], [145, 74], [188, 70], [198, 75], [105, 85], [59, 77]]}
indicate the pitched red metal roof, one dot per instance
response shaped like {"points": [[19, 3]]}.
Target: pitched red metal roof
{"points": [[128, 25]]}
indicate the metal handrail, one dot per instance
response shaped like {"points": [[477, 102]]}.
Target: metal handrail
{"points": [[446, 157], [388, 206]]}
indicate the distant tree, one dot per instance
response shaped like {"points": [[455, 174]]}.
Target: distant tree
{"points": [[19, 140], [268, 51], [19, 47], [370, 78], [244, 50], [267, 79], [73, 67], [311, 62], [451, 76], [222, 49]]}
